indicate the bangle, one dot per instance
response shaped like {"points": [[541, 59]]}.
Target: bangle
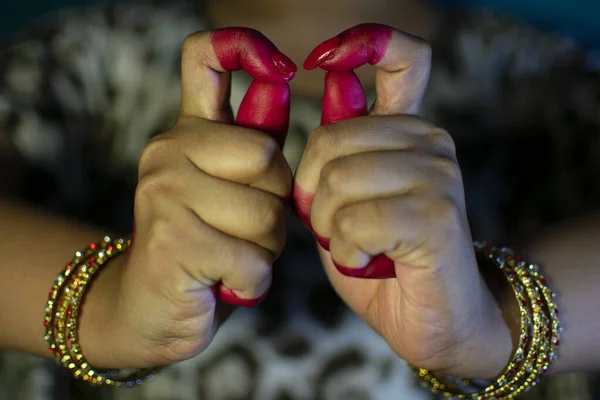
{"points": [[62, 311], [538, 340]]}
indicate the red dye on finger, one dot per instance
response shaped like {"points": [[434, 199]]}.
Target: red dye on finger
{"points": [[266, 104], [248, 49], [266, 107], [302, 204], [363, 44], [380, 267], [286, 67], [323, 52], [228, 296], [322, 240], [344, 97]]}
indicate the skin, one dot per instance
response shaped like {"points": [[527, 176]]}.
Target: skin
{"points": [[208, 210]]}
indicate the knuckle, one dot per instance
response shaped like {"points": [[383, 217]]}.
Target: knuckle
{"points": [[284, 182], [441, 139], [160, 233], [191, 42], [153, 151], [153, 186], [347, 221], [255, 277], [448, 167], [425, 50], [333, 176], [262, 154], [261, 273], [422, 48], [322, 140]]}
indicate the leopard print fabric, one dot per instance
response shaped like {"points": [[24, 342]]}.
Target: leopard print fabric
{"points": [[81, 93]]}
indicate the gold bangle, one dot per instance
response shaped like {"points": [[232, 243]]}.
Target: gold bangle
{"points": [[538, 340], [62, 311]]}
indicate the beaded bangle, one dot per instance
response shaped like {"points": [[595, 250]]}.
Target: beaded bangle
{"points": [[538, 339], [62, 311]]}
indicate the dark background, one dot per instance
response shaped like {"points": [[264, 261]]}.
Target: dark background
{"points": [[576, 18]]}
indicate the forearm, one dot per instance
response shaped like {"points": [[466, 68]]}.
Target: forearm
{"points": [[570, 258], [34, 248]]}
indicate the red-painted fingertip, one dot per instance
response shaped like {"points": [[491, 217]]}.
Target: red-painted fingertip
{"points": [[322, 53], [302, 203], [380, 267], [323, 241], [227, 295], [286, 67]]}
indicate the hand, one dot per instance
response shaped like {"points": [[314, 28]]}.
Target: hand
{"points": [[209, 202], [389, 183]]}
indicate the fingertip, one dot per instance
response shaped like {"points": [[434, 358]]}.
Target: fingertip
{"points": [[302, 203], [343, 98], [323, 241], [266, 107], [248, 49], [353, 48], [284, 65], [228, 296], [380, 267], [322, 53]]}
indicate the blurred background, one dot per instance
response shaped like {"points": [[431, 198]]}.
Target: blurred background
{"points": [[500, 98], [575, 18]]}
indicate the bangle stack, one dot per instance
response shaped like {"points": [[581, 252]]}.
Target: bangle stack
{"points": [[536, 348], [538, 340], [62, 311]]}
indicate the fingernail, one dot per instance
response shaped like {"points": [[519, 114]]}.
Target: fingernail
{"points": [[286, 67], [322, 52], [228, 296], [380, 267]]}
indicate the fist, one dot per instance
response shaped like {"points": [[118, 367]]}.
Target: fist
{"points": [[383, 194], [209, 202]]}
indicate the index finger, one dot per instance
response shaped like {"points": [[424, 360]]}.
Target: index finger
{"points": [[208, 57]]}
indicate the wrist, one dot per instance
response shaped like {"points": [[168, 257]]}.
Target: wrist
{"points": [[100, 338], [488, 349], [497, 337]]}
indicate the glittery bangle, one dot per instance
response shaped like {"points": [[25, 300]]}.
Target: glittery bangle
{"points": [[62, 312], [538, 339]]}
